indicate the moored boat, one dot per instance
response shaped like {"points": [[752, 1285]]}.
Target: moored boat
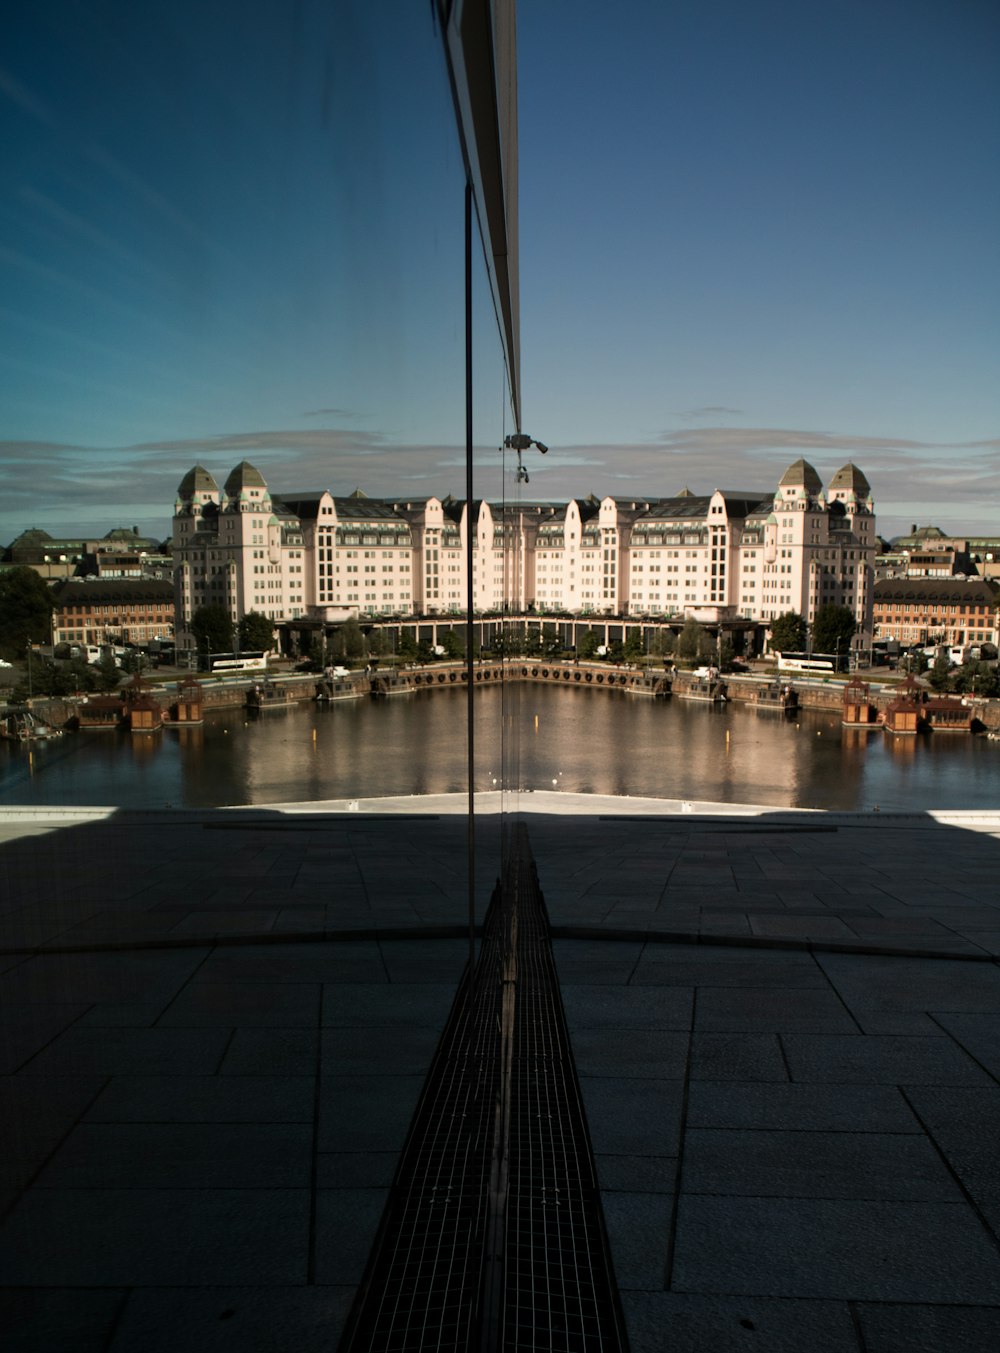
{"points": [[267, 696], [21, 725], [774, 696]]}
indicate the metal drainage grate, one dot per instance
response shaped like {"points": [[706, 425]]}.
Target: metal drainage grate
{"points": [[493, 1237]]}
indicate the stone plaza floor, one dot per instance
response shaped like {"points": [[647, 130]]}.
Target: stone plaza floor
{"points": [[215, 1028]]}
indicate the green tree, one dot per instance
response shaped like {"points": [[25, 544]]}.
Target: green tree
{"points": [[256, 632], [376, 643], [708, 645], [633, 649], [108, 674], [552, 645], [315, 655], [588, 644], [212, 628], [44, 677], [833, 630], [134, 661], [977, 678], [25, 610], [354, 640], [689, 643], [451, 642], [407, 646], [939, 675], [669, 643], [726, 655], [73, 676], [788, 633]]}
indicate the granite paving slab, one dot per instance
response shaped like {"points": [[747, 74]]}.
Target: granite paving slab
{"points": [[597, 1006], [182, 1156], [697, 965], [638, 1227], [26, 1030], [636, 1174], [377, 1049], [803, 1108], [346, 1222], [269, 1052], [36, 1112], [379, 1004], [136, 1052], [99, 977], [355, 1169], [366, 1113], [790, 1164], [737, 1057], [977, 1034], [680, 1322], [772, 1010], [641, 1053], [914, 1328], [232, 1320], [633, 1117], [204, 1099], [148, 1237], [58, 1320], [277, 1005], [835, 1249], [880, 1060]]}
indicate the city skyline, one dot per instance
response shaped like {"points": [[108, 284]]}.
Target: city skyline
{"points": [[745, 236]]}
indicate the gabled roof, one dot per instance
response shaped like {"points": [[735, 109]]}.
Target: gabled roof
{"points": [[359, 509], [111, 591], [684, 507], [304, 505], [740, 502], [971, 591]]}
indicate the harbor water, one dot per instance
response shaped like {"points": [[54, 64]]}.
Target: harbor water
{"points": [[594, 742]]}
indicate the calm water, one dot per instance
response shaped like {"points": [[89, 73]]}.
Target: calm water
{"points": [[586, 741]]}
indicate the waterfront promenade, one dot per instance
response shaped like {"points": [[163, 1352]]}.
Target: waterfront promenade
{"points": [[785, 1024]]}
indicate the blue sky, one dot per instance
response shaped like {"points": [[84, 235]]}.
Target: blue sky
{"points": [[748, 233], [751, 232]]}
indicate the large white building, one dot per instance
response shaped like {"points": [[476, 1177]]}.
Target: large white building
{"points": [[719, 557]]}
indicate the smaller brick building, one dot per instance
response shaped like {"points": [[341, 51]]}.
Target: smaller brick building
{"points": [[113, 610], [936, 610]]}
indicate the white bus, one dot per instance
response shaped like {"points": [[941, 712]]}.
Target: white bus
{"points": [[239, 662], [809, 664]]}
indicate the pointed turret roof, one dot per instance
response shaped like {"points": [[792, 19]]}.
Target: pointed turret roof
{"points": [[801, 475], [195, 481], [244, 476], [850, 477]]}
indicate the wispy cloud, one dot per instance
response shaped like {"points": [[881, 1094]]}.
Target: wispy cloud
{"points": [[707, 411], [752, 439], [275, 440], [954, 484]]}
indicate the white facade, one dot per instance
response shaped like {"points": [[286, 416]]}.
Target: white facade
{"points": [[719, 556]]}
